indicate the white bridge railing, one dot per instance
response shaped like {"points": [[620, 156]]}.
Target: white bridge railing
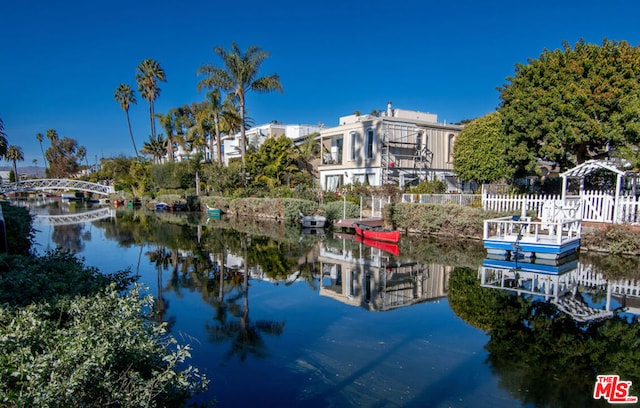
{"points": [[56, 184], [76, 218]]}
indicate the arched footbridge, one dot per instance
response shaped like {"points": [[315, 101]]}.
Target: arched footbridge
{"points": [[76, 218], [56, 184]]}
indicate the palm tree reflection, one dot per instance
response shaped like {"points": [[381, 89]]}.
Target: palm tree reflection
{"points": [[245, 336]]}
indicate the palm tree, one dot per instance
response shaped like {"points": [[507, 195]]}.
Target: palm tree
{"points": [[148, 75], [168, 124], [82, 155], [156, 148], [3, 140], [126, 96], [40, 138], [239, 75], [14, 153]]}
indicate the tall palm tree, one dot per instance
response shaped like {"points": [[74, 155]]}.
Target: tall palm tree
{"points": [[14, 153], [40, 138], [126, 96], [239, 75], [148, 74], [167, 121], [3, 140]]}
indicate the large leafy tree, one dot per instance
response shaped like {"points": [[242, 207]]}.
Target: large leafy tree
{"points": [[479, 151], [61, 155], [125, 96], [572, 104], [275, 163], [148, 74], [14, 153], [239, 75]]}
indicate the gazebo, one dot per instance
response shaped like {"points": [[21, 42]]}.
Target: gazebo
{"points": [[614, 198]]}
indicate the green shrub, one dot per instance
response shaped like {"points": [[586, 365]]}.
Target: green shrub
{"points": [[337, 210], [18, 229], [92, 351]]}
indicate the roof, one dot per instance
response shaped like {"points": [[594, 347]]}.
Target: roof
{"points": [[590, 166]]}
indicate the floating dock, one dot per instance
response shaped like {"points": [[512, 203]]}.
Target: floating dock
{"points": [[522, 238], [347, 223]]}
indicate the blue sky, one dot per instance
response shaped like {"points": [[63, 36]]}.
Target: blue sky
{"points": [[62, 60]]}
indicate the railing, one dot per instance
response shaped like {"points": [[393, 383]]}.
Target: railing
{"points": [[524, 229], [56, 184], [460, 199], [77, 218]]}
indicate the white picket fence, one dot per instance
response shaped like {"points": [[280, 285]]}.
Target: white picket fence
{"points": [[592, 206]]}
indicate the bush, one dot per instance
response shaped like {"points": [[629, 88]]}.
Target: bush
{"points": [[335, 210], [18, 229], [91, 351]]}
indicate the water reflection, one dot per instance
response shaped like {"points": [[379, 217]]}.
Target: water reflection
{"points": [[458, 329], [375, 278]]}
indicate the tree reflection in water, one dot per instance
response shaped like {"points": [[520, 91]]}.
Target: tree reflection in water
{"points": [[541, 356]]}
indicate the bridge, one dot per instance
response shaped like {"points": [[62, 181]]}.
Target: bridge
{"points": [[76, 218], [56, 184]]}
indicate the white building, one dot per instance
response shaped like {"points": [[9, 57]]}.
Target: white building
{"points": [[396, 146]]}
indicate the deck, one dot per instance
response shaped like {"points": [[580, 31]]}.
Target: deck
{"points": [[515, 236], [347, 223]]}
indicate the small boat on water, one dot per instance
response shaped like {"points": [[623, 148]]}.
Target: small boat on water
{"points": [[313, 221], [161, 206], [214, 212], [376, 233]]}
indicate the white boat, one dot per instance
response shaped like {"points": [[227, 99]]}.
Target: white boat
{"points": [[313, 221]]}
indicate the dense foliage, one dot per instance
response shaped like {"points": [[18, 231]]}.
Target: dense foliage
{"points": [[69, 337], [573, 104], [480, 149], [62, 156]]}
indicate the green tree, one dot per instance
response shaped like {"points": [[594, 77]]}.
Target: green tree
{"points": [[148, 74], [125, 96], [274, 164], [239, 75], [40, 138], [480, 149], [61, 155], [14, 153], [571, 105]]}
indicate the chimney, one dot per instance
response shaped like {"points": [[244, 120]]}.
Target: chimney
{"points": [[389, 109]]}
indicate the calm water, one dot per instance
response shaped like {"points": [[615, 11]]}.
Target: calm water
{"points": [[325, 321]]}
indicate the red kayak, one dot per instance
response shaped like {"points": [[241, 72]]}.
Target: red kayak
{"points": [[376, 233]]}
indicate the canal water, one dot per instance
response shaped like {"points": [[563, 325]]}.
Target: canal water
{"points": [[322, 320]]}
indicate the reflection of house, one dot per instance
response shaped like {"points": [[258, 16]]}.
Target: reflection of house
{"points": [[394, 147], [366, 277]]}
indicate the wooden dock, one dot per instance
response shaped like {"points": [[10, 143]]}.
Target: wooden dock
{"points": [[347, 223]]}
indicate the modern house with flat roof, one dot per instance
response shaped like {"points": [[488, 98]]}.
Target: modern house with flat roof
{"points": [[395, 146]]}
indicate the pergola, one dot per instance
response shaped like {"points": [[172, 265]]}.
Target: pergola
{"points": [[590, 166]]}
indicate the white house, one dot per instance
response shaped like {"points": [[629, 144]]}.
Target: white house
{"points": [[258, 134], [396, 146]]}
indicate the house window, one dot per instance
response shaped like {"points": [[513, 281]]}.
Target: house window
{"points": [[450, 140], [354, 145], [369, 144], [333, 182]]}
